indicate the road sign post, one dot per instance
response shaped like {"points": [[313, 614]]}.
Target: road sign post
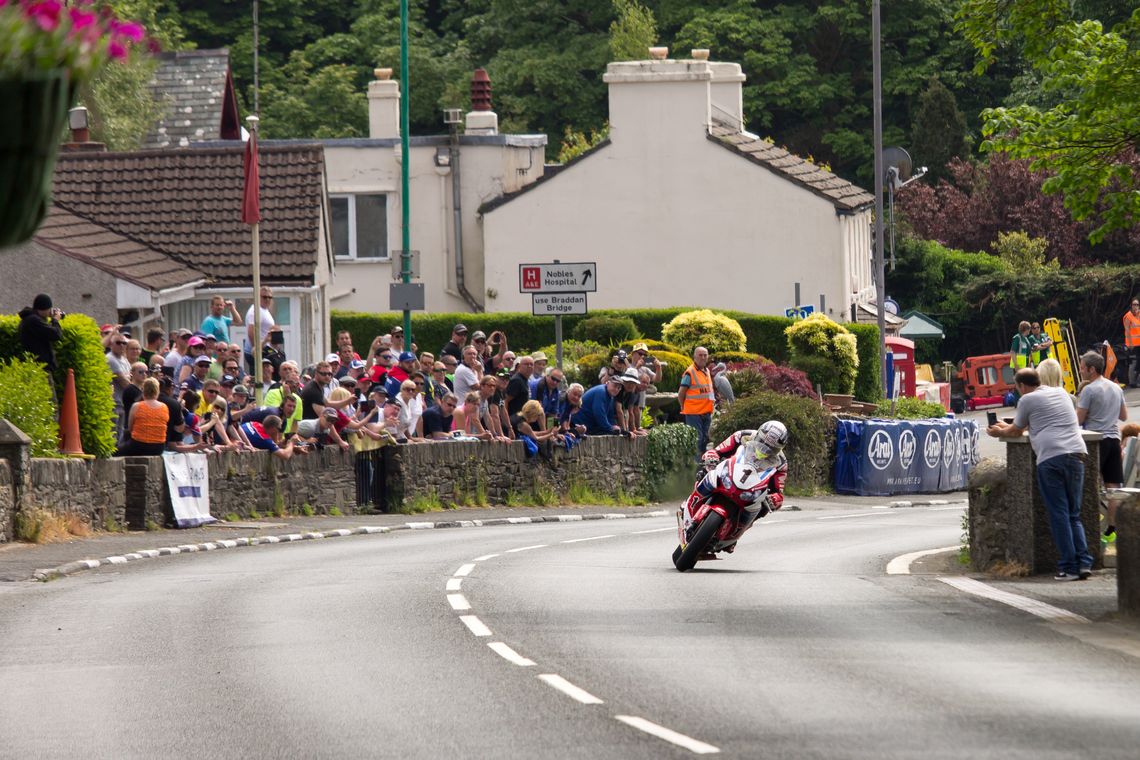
{"points": [[558, 289]]}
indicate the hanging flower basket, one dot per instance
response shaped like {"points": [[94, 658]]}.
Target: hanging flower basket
{"points": [[36, 105]]}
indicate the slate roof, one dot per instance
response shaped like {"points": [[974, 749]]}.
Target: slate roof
{"points": [[126, 259], [187, 204], [844, 195], [197, 91]]}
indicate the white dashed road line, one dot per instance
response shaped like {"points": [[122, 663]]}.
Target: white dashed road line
{"points": [[591, 538], [485, 557], [526, 548], [458, 602], [689, 743], [475, 625], [1024, 603], [655, 530], [861, 514], [569, 689], [510, 655], [901, 565], [464, 570], [454, 584]]}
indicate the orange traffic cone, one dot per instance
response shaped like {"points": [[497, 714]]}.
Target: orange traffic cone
{"points": [[69, 420]]}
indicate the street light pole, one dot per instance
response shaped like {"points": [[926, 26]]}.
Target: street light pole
{"points": [[880, 269], [405, 199]]}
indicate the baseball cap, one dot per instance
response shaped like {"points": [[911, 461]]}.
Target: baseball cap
{"points": [[106, 328], [210, 336], [356, 364], [228, 380], [333, 358], [266, 360], [640, 347], [460, 329], [630, 376], [407, 356], [478, 335], [241, 389], [330, 413], [184, 333], [539, 356], [397, 330], [196, 341], [504, 372], [203, 360], [379, 388], [347, 380]]}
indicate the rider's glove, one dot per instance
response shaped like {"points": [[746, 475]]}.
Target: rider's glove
{"points": [[776, 500]]}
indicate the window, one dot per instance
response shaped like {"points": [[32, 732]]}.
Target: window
{"points": [[360, 226]]}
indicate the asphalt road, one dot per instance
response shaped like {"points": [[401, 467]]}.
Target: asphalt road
{"points": [[417, 644]]}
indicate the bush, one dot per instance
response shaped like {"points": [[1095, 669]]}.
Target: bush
{"points": [[826, 351], [651, 344], [586, 369], [868, 381], [787, 380], [704, 327], [608, 331], [673, 366], [746, 381], [811, 433], [26, 402], [80, 349], [729, 357], [572, 350], [907, 408], [668, 465]]}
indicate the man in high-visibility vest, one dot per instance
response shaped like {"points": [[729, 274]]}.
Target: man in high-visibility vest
{"points": [[696, 397], [1021, 347], [1132, 340], [1041, 345]]}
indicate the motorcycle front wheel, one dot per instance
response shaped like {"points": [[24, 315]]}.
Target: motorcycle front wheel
{"points": [[686, 559]]}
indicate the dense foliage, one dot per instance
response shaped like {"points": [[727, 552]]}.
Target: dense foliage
{"points": [[826, 351], [811, 433], [607, 330], [26, 402], [906, 408], [668, 465], [704, 327]]}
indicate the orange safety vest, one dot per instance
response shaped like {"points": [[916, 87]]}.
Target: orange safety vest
{"points": [[1131, 330], [699, 399]]}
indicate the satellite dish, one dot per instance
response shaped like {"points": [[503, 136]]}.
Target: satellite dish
{"points": [[898, 159]]}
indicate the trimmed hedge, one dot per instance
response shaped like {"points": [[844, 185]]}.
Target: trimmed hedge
{"points": [[765, 333], [729, 357], [606, 330], [80, 349], [668, 465], [811, 434], [26, 402]]}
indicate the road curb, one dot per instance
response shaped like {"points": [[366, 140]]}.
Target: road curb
{"points": [[82, 565]]}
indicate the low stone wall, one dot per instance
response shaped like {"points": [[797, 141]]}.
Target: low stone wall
{"points": [[455, 472], [1128, 558], [92, 488], [7, 502]]}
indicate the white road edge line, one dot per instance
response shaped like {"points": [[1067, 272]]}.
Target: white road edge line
{"points": [[689, 743], [475, 625], [464, 570], [591, 538], [1023, 603], [526, 548], [485, 557], [561, 684], [655, 530], [943, 509], [454, 584], [861, 514], [458, 602], [901, 565], [510, 655]]}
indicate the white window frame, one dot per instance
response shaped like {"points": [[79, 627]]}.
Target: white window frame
{"points": [[352, 225]]}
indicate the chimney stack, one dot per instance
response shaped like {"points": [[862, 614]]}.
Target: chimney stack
{"points": [[481, 120], [383, 105], [80, 134]]}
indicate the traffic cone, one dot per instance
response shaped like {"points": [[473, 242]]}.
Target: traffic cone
{"points": [[69, 420]]}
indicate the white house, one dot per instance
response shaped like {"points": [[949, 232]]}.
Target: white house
{"points": [[681, 206]]}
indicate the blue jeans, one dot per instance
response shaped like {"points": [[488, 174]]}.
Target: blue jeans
{"points": [[1061, 481], [700, 422]]}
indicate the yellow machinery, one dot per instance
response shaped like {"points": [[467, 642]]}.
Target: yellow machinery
{"points": [[1060, 331]]}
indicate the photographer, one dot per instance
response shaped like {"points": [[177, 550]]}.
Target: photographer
{"points": [[641, 358], [39, 330], [492, 350]]}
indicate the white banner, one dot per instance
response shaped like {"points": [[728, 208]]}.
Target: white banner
{"points": [[189, 479]]}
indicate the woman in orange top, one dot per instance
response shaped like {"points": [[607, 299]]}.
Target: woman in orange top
{"points": [[147, 423]]}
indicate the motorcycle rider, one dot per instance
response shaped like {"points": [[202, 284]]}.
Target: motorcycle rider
{"points": [[761, 449]]}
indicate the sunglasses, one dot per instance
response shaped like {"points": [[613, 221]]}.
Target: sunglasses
{"points": [[437, 369], [120, 343], [210, 392]]}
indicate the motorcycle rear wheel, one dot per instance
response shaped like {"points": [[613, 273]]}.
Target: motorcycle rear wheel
{"points": [[686, 559]]}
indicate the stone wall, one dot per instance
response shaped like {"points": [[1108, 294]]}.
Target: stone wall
{"points": [[455, 471], [92, 488], [7, 503], [1128, 558]]}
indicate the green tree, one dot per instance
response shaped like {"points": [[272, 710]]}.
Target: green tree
{"points": [[632, 32], [939, 130], [1022, 253], [1089, 137]]}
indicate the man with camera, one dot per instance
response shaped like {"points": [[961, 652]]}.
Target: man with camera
{"points": [[640, 358], [39, 330]]}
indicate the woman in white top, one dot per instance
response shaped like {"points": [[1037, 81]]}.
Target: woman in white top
{"points": [[411, 411]]}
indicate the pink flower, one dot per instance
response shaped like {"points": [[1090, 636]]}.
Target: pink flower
{"points": [[128, 29], [81, 19], [45, 13], [117, 50]]}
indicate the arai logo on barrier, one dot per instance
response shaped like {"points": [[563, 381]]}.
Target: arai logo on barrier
{"points": [[880, 450], [932, 449], [907, 447], [949, 448]]}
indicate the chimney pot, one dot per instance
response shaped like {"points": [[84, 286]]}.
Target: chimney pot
{"points": [[382, 74], [480, 90], [700, 54], [658, 53]]}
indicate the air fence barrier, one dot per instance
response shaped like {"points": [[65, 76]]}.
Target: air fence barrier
{"points": [[891, 457]]}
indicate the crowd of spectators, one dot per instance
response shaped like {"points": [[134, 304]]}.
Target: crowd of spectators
{"points": [[194, 391]]}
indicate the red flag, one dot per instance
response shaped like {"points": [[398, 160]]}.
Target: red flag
{"points": [[250, 203]]}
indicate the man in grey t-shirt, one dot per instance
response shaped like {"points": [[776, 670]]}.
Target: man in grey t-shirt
{"points": [[1101, 408], [1048, 414]]}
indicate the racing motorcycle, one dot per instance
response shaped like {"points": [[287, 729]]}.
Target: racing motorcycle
{"points": [[730, 497]]}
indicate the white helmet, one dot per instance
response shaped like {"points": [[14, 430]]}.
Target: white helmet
{"points": [[770, 438]]}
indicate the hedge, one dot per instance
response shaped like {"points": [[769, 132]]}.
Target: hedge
{"points": [[668, 467], [26, 402], [765, 333], [811, 434], [80, 349]]}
